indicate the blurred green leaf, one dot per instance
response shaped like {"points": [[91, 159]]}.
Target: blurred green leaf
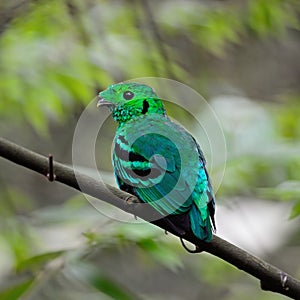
{"points": [[17, 236], [162, 253], [287, 119], [295, 210], [215, 271], [16, 291], [271, 17], [218, 28], [101, 282], [37, 262], [286, 191]]}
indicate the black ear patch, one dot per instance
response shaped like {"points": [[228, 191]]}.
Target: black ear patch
{"points": [[145, 107]]}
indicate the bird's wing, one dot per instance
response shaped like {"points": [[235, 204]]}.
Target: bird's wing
{"points": [[211, 203], [163, 167]]}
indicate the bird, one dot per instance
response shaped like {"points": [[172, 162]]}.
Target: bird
{"points": [[158, 160]]}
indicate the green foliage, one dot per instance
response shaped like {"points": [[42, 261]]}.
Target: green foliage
{"points": [[55, 71], [101, 282], [166, 256], [273, 17], [217, 26], [296, 210], [216, 272], [210, 27], [36, 263], [269, 166], [287, 118], [217, 29], [16, 291], [286, 191], [44, 265], [55, 54]]}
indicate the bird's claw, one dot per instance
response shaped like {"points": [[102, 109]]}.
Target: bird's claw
{"points": [[131, 200], [197, 248]]}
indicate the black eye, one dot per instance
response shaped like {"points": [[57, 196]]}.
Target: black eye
{"points": [[128, 95]]}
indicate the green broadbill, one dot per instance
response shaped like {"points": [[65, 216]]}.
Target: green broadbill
{"points": [[157, 160]]}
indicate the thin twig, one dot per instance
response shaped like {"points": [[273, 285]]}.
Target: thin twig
{"points": [[271, 278], [158, 40]]}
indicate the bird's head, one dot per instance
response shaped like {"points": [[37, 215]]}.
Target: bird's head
{"points": [[129, 100]]}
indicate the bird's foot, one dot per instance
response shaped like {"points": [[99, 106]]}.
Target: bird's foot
{"points": [[196, 250], [132, 200]]}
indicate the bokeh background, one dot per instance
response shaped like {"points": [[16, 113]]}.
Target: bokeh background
{"points": [[243, 57]]}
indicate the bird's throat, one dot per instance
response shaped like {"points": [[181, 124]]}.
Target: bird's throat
{"points": [[141, 107]]}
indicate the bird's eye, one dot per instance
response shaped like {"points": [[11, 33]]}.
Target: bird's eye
{"points": [[128, 95]]}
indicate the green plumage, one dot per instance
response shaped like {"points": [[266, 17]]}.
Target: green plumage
{"points": [[158, 160]]}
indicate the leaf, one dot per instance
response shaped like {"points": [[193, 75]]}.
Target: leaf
{"points": [[270, 17], [215, 271], [285, 191], [295, 211], [101, 282], [33, 113], [35, 263], [162, 253], [18, 237], [14, 292]]}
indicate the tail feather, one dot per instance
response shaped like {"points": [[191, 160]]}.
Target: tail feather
{"points": [[211, 209], [200, 227]]}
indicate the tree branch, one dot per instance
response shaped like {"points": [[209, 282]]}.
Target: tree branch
{"points": [[271, 278]]}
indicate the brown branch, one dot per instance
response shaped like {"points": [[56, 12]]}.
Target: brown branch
{"points": [[271, 278]]}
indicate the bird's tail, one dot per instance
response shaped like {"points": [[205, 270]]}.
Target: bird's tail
{"points": [[200, 223], [211, 209]]}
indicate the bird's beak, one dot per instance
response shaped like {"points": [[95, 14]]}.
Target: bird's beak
{"points": [[103, 102]]}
